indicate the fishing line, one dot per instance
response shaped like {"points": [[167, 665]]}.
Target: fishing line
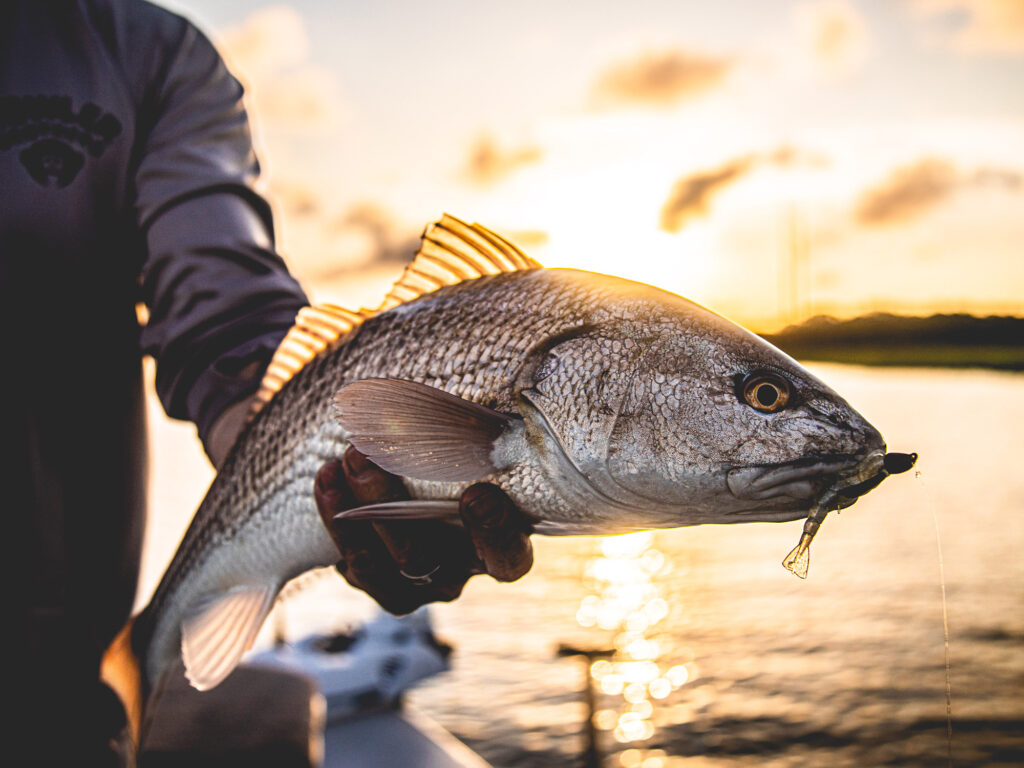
{"points": [[945, 622]]}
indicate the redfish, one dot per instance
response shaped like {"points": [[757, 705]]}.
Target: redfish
{"points": [[599, 405]]}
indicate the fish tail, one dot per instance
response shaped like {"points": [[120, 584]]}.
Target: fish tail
{"points": [[121, 669]]}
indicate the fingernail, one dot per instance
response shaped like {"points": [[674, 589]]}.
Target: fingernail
{"points": [[355, 462]]}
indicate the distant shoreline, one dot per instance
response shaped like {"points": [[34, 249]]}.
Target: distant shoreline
{"points": [[947, 341]]}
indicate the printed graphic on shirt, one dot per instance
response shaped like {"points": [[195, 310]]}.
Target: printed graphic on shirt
{"points": [[52, 139]]}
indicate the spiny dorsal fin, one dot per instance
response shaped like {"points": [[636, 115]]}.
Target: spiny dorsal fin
{"points": [[452, 252], [316, 329]]}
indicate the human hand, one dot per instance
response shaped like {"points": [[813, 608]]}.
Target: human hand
{"points": [[225, 430], [494, 539]]}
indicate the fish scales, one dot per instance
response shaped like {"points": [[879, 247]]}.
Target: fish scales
{"points": [[489, 324]]}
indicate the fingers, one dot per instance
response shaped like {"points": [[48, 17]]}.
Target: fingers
{"points": [[353, 482], [419, 546], [385, 559], [332, 495], [369, 483], [366, 565], [369, 567], [500, 534], [373, 555], [225, 430], [416, 546]]}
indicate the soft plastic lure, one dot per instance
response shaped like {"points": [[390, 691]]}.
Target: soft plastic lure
{"points": [[798, 561]]}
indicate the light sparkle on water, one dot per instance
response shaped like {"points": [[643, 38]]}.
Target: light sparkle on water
{"points": [[626, 600]]}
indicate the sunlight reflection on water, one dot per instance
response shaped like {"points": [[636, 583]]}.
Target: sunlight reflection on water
{"points": [[625, 598]]}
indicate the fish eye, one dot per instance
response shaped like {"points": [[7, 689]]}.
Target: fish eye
{"points": [[766, 392]]}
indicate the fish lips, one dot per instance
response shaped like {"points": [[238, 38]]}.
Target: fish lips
{"points": [[802, 480], [844, 478]]}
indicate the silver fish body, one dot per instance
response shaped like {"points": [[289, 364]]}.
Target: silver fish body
{"points": [[613, 405]]}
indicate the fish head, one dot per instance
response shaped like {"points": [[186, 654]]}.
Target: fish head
{"points": [[675, 416]]}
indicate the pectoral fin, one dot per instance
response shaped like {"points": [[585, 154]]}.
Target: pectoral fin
{"points": [[420, 432], [220, 629]]}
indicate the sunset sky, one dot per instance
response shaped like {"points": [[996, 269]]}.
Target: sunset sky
{"points": [[769, 159]]}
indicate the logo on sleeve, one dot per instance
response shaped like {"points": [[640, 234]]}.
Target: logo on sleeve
{"points": [[54, 139]]}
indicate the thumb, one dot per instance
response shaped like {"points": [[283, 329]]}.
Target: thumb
{"points": [[500, 532]]}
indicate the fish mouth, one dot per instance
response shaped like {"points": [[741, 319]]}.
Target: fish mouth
{"points": [[837, 481]]}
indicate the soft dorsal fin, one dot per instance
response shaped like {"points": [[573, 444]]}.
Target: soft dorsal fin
{"points": [[316, 329], [451, 251]]}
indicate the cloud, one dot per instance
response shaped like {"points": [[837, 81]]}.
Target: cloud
{"points": [[912, 189], [374, 236], [270, 53], [981, 26], [834, 35], [660, 78], [908, 191], [691, 196], [1010, 180], [489, 163], [296, 198]]}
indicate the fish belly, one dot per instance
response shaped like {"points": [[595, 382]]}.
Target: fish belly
{"points": [[281, 538]]}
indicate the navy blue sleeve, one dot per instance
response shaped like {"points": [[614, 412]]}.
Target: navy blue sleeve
{"points": [[219, 296]]}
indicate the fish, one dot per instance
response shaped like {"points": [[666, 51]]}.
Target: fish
{"points": [[598, 404]]}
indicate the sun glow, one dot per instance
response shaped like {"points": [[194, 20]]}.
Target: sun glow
{"points": [[598, 204]]}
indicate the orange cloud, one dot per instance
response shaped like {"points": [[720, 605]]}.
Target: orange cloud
{"points": [[691, 196], [908, 191], [489, 163], [983, 26], [386, 241], [295, 197], [660, 78], [913, 189], [270, 53]]}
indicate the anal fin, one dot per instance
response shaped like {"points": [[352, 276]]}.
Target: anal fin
{"points": [[222, 628]]}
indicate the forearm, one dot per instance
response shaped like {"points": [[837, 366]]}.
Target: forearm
{"points": [[220, 300]]}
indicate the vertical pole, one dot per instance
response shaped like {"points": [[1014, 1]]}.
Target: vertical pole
{"points": [[591, 757], [591, 753], [794, 265]]}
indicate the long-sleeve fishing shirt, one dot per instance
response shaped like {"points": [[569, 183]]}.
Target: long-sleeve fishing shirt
{"points": [[126, 177]]}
